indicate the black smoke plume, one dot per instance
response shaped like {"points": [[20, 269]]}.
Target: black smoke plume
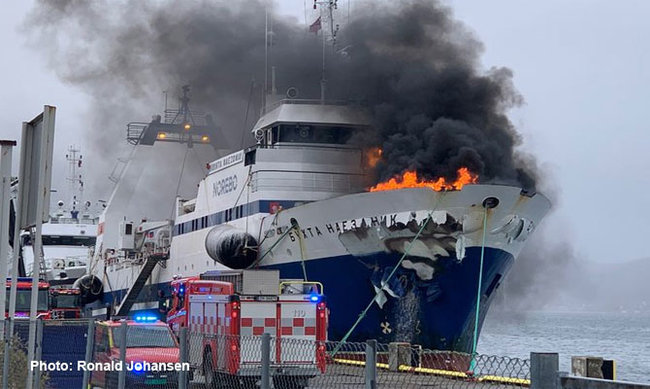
{"points": [[411, 63]]}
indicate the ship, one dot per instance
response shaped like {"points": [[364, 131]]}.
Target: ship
{"points": [[399, 263], [68, 236], [418, 265]]}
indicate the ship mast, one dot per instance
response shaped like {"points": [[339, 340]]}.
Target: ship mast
{"points": [[74, 179], [327, 8]]}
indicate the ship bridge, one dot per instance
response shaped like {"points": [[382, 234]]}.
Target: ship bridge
{"points": [[304, 146]]}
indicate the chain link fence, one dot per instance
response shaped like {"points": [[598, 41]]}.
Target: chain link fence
{"points": [[123, 355], [239, 362]]}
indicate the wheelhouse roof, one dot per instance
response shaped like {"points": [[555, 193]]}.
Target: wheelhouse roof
{"points": [[312, 112]]}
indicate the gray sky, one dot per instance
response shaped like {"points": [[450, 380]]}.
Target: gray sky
{"points": [[581, 66]]}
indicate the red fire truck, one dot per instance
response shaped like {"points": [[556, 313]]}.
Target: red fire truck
{"points": [[65, 303], [24, 295], [225, 312]]}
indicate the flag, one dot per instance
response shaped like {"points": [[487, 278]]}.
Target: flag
{"points": [[315, 26]]}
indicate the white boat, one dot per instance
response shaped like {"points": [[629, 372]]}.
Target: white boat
{"points": [[69, 234]]}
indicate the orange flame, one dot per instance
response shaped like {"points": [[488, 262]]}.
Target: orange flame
{"points": [[410, 180], [373, 155]]}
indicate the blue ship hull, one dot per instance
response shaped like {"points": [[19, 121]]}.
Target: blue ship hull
{"points": [[437, 314]]}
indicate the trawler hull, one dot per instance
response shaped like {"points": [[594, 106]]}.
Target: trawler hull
{"points": [[438, 313], [413, 255]]}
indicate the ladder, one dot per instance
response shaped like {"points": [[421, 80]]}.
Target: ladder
{"points": [[135, 289]]}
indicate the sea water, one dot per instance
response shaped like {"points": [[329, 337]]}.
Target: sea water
{"points": [[622, 336]]}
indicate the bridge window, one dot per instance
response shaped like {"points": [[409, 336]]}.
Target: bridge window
{"points": [[296, 133]]}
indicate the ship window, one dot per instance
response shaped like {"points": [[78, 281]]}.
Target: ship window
{"points": [[292, 133], [249, 158], [275, 134], [62, 240]]}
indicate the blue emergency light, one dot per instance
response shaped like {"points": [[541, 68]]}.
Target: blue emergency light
{"points": [[145, 319], [138, 367], [314, 298]]}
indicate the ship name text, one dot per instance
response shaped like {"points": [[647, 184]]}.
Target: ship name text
{"points": [[345, 225]]}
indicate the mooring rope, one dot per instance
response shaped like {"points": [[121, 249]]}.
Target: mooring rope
{"points": [[302, 250], [478, 293], [384, 283], [259, 260]]}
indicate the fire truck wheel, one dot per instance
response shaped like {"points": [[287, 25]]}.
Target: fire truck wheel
{"points": [[290, 382]]}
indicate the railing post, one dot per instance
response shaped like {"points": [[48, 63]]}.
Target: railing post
{"points": [[182, 376], [371, 364], [39, 351], [266, 361], [90, 345], [543, 370], [121, 378]]}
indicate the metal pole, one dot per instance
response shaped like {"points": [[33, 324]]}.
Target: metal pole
{"points": [[266, 361], [6, 148], [371, 364], [16, 247], [5, 364], [90, 343], [182, 376], [543, 370], [37, 246], [266, 56], [39, 351], [15, 252], [121, 378]]}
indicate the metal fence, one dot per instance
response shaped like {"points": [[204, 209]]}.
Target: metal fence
{"points": [[95, 358], [289, 363]]}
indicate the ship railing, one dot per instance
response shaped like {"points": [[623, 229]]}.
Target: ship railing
{"points": [[134, 131]]}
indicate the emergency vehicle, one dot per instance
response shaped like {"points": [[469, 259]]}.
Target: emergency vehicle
{"points": [[226, 311], [65, 303], [148, 340], [24, 295]]}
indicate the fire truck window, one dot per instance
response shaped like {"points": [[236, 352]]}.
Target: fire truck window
{"points": [[145, 336], [23, 300], [66, 301]]}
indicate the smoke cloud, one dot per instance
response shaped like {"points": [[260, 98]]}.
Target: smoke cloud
{"points": [[412, 64]]}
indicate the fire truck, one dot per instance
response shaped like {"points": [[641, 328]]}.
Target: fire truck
{"points": [[65, 303], [226, 311], [24, 295]]}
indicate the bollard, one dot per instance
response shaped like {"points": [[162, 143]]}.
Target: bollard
{"points": [[591, 367], [371, 364], [543, 370], [90, 343], [121, 378], [182, 376], [39, 351], [266, 361]]}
